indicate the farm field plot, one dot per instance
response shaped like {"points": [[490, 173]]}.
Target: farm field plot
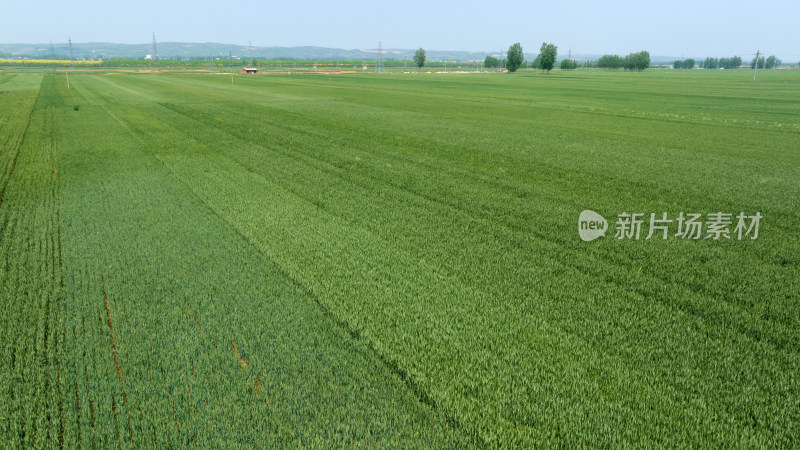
{"points": [[393, 260]]}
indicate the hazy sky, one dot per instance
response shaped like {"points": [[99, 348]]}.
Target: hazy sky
{"points": [[677, 27]]}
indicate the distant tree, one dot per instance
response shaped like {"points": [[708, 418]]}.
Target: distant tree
{"points": [[536, 62], [638, 61], [610, 62], [730, 63], [491, 62], [255, 62], [773, 62], [643, 60], [627, 63], [710, 63], [514, 57], [419, 58], [761, 62], [568, 64], [547, 56]]}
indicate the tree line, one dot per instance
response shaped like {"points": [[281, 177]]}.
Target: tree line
{"points": [[734, 62], [633, 62], [769, 62], [548, 53], [709, 63], [722, 63], [684, 64]]}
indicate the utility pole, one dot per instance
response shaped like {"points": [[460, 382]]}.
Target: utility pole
{"points": [[230, 64], [71, 57], [53, 55], [755, 66], [380, 57], [155, 48]]}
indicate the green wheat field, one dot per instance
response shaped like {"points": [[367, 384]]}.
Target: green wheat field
{"points": [[393, 260]]}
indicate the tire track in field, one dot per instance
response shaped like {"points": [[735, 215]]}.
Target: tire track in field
{"points": [[117, 364], [16, 149], [401, 399], [250, 169], [58, 275], [391, 363], [740, 317], [33, 182], [246, 168], [410, 380]]}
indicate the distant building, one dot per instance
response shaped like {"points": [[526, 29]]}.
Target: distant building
{"points": [[249, 70]]}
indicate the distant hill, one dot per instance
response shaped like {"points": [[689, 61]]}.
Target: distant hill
{"points": [[183, 50]]}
